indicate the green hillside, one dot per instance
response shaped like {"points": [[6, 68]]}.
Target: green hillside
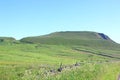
{"points": [[83, 38], [71, 55], [5, 39], [80, 35]]}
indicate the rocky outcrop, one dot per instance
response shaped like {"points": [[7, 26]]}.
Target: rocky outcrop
{"points": [[103, 36]]}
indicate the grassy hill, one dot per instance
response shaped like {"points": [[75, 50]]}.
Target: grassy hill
{"points": [[83, 38], [84, 56], [7, 39]]}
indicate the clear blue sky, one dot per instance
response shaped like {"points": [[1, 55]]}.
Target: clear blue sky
{"points": [[21, 18]]}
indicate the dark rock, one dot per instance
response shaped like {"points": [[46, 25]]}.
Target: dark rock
{"points": [[103, 36], [52, 71], [77, 64], [59, 69]]}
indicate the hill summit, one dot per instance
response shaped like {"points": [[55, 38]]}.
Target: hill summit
{"points": [[79, 35], [84, 38]]}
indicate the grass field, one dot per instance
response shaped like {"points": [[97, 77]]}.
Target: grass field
{"points": [[37, 61], [27, 61]]}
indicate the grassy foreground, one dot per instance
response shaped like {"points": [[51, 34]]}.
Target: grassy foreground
{"points": [[88, 71], [22, 61]]}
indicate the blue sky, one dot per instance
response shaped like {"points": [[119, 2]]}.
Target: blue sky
{"points": [[21, 18]]}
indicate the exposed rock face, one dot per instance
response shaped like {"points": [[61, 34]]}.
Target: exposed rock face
{"points": [[103, 36]]}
